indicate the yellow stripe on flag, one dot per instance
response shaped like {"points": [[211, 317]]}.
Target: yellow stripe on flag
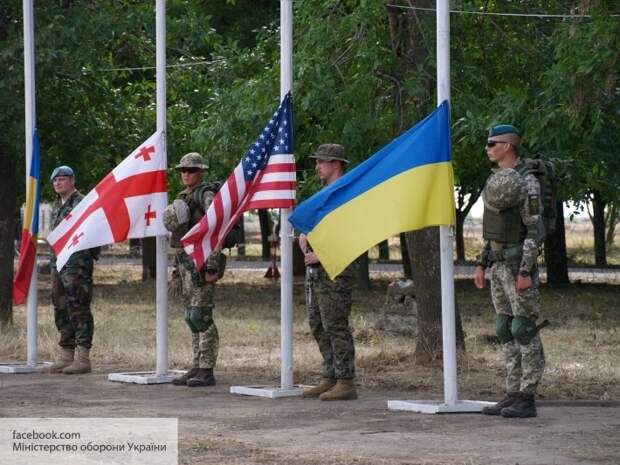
{"points": [[414, 199]]}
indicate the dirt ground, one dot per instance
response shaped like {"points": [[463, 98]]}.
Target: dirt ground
{"points": [[216, 427]]}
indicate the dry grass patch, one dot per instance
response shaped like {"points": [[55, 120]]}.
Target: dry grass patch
{"points": [[582, 345]]}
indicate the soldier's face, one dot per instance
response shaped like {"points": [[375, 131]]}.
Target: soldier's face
{"points": [[497, 150], [191, 177], [63, 185], [327, 170]]}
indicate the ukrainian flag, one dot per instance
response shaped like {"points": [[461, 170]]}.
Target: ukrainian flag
{"points": [[30, 231], [407, 185]]}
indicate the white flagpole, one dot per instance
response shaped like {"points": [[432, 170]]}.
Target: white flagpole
{"points": [[286, 388], [161, 374], [451, 403], [30, 103], [286, 229], [162, 241], [450, 385]]}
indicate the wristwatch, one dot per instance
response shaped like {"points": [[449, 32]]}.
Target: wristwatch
{"points": [[524, 273]]}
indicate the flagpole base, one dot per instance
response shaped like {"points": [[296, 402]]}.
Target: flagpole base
{"points": [[17, 368], [145, 377], [434, 407], [271, 392]]}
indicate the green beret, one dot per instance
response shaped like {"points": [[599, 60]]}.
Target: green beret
{"points": [[502, 129]]}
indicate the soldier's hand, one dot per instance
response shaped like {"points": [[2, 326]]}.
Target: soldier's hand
{"points": [[479, 277], [523, 283], [310, 258], [303, 243], [211, 277]]}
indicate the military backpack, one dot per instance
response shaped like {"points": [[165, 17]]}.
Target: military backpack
{"points": [[545, 173], [196, 201]]}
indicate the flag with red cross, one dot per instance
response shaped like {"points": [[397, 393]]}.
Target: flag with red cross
{"points": [[128, 203]]}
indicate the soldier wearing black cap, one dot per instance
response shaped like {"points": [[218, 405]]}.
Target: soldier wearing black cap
{"points": [[329, 302]]}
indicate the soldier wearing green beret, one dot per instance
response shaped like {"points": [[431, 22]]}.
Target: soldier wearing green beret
{"points": [[329, 302], [197, 286], [513, 231]]}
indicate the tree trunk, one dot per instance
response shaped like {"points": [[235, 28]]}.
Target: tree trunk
{"points": [[425, 258], [404, 251], [241, 245], [555, 251], [384, 251], [8, 189], [598, 221], [613, 215], [460, 240], [424, 255], [265, 231], [149, 258], [363, 273]]}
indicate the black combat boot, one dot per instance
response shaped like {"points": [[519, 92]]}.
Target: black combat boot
{"points": [[182, 380], [507, 401], [204, 377], [525, 407]]}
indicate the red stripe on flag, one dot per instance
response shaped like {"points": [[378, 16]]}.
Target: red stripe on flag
{"points": [[276, 186], [27, 256], [279, 168]]}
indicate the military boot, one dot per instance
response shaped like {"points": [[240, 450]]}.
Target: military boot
{"points": [[325, 385], [343, 390], [62, 359], [524, 407], [203, 377], [81, 364], [507, 401], [182, 380]]}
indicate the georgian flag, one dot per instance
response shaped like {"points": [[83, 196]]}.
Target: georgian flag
{"points": [[128, 203]]}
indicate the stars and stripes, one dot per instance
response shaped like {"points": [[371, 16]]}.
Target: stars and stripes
{"points": [[265, 178]]}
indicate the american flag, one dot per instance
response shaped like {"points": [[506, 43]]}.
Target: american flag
{"points": [[264, 178]]}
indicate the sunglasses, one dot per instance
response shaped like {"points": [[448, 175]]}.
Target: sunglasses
{"points": [[493, 143], [189, 170]]}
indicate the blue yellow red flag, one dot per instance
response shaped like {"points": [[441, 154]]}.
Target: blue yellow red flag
{"points": [[30, 231], [407, 185]]}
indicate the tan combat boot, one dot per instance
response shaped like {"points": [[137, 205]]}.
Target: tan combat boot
{"points": [[81, 364], [343, 390], [62, 359], [325, 385]]}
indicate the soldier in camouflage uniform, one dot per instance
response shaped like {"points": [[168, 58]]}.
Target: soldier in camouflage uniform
{"points": [[72, 287], [329, 302], [513, 231], [197, 286]]}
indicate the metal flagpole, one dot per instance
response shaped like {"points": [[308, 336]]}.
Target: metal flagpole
{"points": [[30, 111], [30, 102], [286, 229], [451, 403], [162, 374], [286, 388]]}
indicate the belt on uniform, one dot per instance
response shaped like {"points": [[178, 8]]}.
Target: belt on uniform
{"points": [[507, 254]]}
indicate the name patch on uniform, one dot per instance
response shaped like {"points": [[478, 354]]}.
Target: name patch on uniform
{"points": [[533, 204]]}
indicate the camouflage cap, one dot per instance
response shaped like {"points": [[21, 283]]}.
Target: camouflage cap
{"points": [[504, 189], [192, 160], [505, 133], [330, 152]]}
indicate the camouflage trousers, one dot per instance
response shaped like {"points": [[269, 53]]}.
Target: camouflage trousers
{"points": [[72, 292], [329, 305], [199, 304], [525, 363]]}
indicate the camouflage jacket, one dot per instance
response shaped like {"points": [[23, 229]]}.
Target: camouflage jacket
{"points": [[195, 214], [59, 212], [530, 210]]}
